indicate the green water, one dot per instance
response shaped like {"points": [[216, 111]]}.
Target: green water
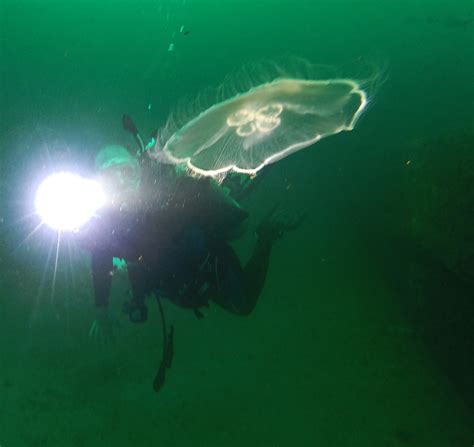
{"points": [[363, 333]]}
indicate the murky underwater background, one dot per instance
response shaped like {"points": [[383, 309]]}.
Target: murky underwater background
{"points": [[364, 333]]}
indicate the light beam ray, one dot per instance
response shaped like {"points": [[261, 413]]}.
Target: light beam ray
{"points": [[41, 287], [58, 242], [28, 237]]}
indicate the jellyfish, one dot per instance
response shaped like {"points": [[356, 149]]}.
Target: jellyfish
{"points": [[265, 124]]}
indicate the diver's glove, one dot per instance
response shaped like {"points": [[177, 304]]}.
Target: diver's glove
{"points": [[137, 312], [103, 328], [273, 226]]}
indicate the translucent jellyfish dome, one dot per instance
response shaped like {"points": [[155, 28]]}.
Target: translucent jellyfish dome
{"points": [[265, 124]]}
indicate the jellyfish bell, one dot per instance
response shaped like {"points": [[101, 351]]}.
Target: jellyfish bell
{"points": [[265, 124]]}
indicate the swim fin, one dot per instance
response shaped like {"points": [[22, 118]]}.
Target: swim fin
{"points": [[129, 125]]}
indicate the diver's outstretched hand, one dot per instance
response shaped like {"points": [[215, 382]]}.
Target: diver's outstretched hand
{"points": [[104, 327], [274, 225]]}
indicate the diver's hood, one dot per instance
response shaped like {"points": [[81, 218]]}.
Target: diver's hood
{"points": [[114, 155]]}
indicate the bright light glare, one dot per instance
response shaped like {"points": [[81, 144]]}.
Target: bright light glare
{"points": [[66, 201]]}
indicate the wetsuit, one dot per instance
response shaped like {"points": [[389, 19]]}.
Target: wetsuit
{"points": [[176, 245]]}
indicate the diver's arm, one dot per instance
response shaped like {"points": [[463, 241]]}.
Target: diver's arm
{"points": [[101, 277], [255, 272], [237, 289], [103, 327], [268, 232], [138, 282], [136, 308]]}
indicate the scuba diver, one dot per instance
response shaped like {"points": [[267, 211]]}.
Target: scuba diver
{"points": [[173, 233]]}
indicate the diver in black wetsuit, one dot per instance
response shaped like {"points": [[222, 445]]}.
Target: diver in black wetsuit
{"points": [[172, 231], [176, 244]]}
